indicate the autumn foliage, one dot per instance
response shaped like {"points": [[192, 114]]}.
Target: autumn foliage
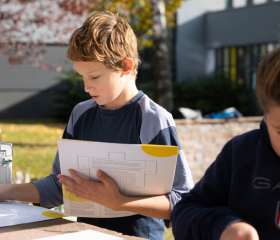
{"points": [[26, 26], [137, 12]]}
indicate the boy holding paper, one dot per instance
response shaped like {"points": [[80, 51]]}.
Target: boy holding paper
{"points": [[104, 52]]}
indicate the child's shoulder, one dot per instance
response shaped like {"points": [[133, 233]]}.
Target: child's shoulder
{"points": [[247, 141], [251, 135], [157, 122], [152, 110], [82, 107]]}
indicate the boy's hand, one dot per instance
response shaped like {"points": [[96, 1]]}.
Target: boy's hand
{"points": [[105, 192], [239, 231]]}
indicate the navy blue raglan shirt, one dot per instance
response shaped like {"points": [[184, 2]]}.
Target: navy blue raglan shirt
{"points": [[141, 121], [243, 184]]}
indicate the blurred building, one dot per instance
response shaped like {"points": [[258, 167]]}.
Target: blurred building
{"points": [[227, 35], [26, 91]]}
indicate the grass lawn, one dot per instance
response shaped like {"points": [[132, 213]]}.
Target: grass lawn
{"points": [[35, 146]]}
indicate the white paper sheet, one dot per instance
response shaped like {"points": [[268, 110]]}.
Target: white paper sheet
{"points": [[86, 234], [17, 213], [138, 170]]}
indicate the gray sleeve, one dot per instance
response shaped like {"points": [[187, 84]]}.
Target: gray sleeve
{"points": [[158, 127], [183, 181], [182, 184], [50, 189]]}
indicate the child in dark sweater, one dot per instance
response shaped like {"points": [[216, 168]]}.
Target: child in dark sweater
{"points": [[239, 195]]}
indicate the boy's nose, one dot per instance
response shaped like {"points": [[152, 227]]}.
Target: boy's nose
{"points": [[87, 87]]}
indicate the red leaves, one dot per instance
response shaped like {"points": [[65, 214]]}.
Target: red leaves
{"points": [[79, 7], [27, 25]]}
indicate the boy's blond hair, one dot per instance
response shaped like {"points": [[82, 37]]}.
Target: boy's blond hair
{"points": [[268, 81], [105, 38]]}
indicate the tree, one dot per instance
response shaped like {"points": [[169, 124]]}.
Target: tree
{"points": [[148, 19], [163, 78], [26, 26]]}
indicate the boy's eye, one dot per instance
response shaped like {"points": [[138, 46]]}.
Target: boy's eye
{"points": [[93, 78]]}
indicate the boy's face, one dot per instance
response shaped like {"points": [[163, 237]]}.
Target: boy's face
{"points": [[109, 88], [272, 119]]}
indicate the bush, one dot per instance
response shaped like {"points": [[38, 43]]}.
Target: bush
{"points": [[70, 95], [210, 94]]}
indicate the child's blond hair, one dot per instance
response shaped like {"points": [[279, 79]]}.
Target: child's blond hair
{"points": [[105, 38], [268, 81]]}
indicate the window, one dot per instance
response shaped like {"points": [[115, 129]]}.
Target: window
{"points": [[241, 62]]}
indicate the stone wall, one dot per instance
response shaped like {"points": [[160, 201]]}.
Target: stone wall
{"points": [[203, 139]]}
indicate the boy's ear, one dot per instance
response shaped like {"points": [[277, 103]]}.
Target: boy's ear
{"points": [[127, 64]]}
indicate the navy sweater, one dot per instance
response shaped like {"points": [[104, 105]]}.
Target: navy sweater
{"points": [[243, 184]]}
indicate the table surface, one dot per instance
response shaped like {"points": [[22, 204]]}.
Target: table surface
{"points": [[52, 227]]}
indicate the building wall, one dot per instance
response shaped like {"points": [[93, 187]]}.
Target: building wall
{"points": [[202, 140], [243, 26], [201, 29], [190, 40], [27, 91]]}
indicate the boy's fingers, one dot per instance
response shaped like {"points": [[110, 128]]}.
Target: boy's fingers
{"points": [[76, 192], [75, 176], [64, 180], [103, 177], [68, 183], [71, 183]]}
